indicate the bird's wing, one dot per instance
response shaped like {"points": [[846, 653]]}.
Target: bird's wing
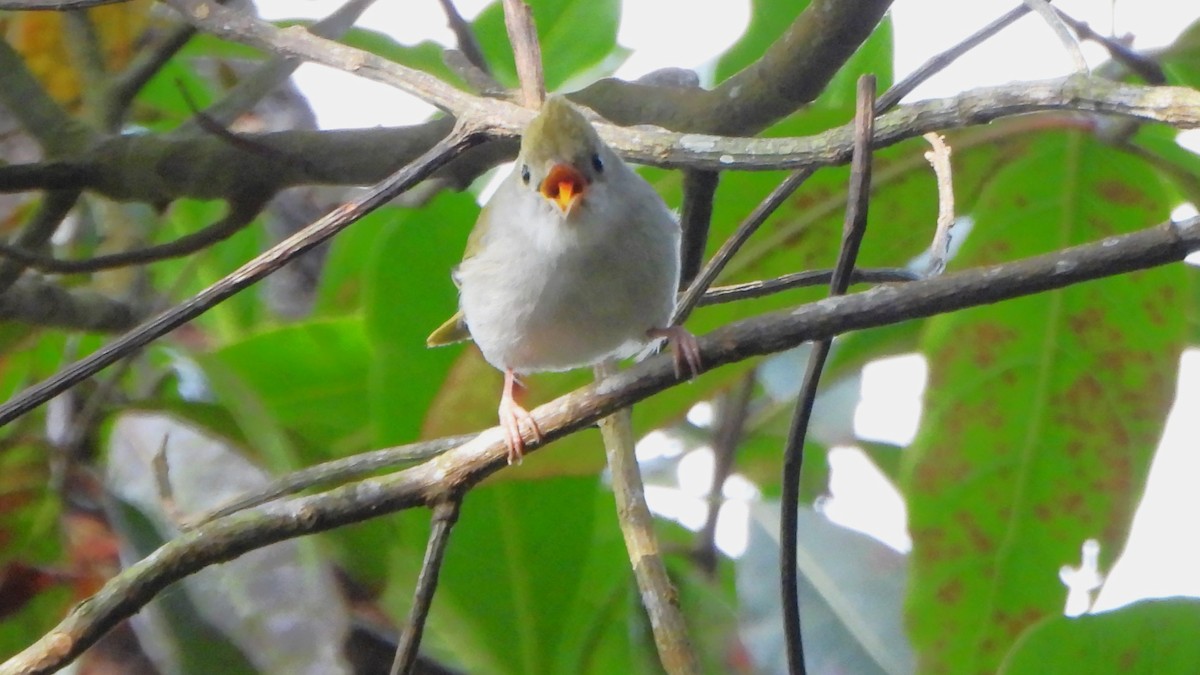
{"points": [[452, 331]]}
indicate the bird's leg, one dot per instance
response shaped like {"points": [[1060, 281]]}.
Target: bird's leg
{"points": [[684, 348], [511, 417]]}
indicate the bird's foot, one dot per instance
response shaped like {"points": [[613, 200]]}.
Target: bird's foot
{"points": [[684, 348], [512, 416]]}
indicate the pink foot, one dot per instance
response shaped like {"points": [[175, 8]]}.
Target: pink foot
{"points": [[684, 348], [512, 415]]}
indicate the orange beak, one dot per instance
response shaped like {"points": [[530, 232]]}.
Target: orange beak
{"points": [[563, 185]]}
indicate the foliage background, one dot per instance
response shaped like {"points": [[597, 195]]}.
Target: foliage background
{"points": [[1041, 420]]}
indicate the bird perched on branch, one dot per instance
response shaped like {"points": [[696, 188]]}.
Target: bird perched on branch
{"points": [[575, 260]]}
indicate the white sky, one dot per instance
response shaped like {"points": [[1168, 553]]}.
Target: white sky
{"points": [[1160, 559]]}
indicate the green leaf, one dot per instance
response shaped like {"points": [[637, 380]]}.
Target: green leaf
{"points": [[1155, 637], [425, 56], [1042, 413], [534, 581], [575, 35], [408, 293], [309, 378]]}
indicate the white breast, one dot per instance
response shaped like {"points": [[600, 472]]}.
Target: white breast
{"points": [[547, 293]]}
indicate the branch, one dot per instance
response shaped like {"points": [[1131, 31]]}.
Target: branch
{"points": [[54, 5], [54, 207], [241, 214], [857, 201], [659, 597], [522, 35], [467, 465], [758, 289], [445, 514], [206, 168], [38, 113], [252, 88], [297, 42], [33, 300]]}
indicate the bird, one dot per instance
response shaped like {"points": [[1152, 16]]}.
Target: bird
{"points": [[575, 260]]}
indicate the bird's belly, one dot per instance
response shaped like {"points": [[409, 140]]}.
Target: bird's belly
{"points": [[558, 315]]}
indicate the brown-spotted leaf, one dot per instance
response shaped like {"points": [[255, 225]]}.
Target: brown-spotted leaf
{"points": [[1042, 414]]}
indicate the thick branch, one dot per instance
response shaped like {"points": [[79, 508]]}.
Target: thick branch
{"points": [[55, 5], [33, 300], [154, 169], [465, 466]]}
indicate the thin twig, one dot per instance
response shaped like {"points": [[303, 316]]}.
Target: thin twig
{"points": [[145, 65], [54, 207], [659, 597], [87, 60], [240, 215], [1147, 68], [54, 5], [759, 289], [1069, 42], [939, 159], [938, 62], [247, 145], [695, 218], [464, 136], [266, 78], [857, 200], [445, 514], [691, 297], [468, 44], [467, 465], [37, 301], [522, 34], [334, 471], [731, 424]]}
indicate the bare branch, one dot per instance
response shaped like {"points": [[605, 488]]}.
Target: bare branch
{"points": [[241, 214], [36, 301], [857, 201], [467, 465], [891, 97], [939, 159], [445, 514], [54, 207], [522, 34], [758, 289], [1070, 43], [468, 45], [659, 596], [54, 5], [338, 470]]}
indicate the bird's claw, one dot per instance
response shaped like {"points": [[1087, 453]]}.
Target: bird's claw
{"points": [[512, 416], [684, 349]]}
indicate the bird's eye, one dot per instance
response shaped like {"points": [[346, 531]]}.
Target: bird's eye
{"points": [[525, 173], [597, 163]]}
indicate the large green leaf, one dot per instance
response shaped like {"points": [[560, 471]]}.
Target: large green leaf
{"points": [[1155, 637], [407, 294], [1042, 413], [574, 35], [535, 581], [309, 379]]}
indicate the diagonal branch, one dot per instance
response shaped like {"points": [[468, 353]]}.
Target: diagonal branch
{"points": [[467, 465]]}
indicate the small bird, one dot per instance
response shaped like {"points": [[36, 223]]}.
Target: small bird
{"points": [[573, 261]]}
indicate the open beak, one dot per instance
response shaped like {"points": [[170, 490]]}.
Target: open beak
{"points": [[563, 186]]}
